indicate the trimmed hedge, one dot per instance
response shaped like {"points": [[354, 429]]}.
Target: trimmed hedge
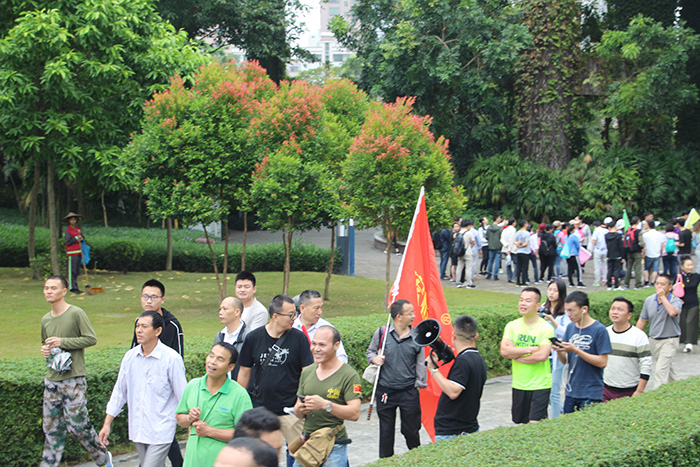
{"points": [[21, 381], [657, 428], [108, 245]]}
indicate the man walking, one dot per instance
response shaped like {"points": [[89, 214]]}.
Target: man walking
{"points": [[211, 406], [522, 245], [613, 242], [402, 374], [466, 260], [330, 392], [254, 312], [152, 299], [654, 242], [151, 381], [309, 319], [493, 236], [600, 251], [585, 348], [661, 312], [526, 342], [631, 242], [234, 330], [459, 403], [271, 361], [509, 249], [629, 364], [66, 328]]}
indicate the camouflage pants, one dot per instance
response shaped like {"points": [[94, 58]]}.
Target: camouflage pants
{"points": [[65, 409]]}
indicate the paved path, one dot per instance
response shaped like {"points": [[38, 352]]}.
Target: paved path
{"points": [[496, 401]]}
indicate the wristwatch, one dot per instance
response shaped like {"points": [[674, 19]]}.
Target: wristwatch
{"points": [[329, 407]]}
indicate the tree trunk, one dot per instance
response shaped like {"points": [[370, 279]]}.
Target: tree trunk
{"points": [[213, 259], [81, 201], [225, 255], [387, 278], [330, 266], [104, 208], [245, 237], [31, 240], [51, 208], [287, 241], [169, 254]]}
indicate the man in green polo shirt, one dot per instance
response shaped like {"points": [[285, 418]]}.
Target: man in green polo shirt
{"points": [[211, 407], [526, 342], [329, 392]]}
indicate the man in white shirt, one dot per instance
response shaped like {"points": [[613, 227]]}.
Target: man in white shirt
{"points": [[600, 251], [151, 381], [235, 329], [309, 319], [654, 242], [509, 249], [254, 313]]}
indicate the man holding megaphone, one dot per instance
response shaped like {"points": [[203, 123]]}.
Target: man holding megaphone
{"points": [[402, 374]]}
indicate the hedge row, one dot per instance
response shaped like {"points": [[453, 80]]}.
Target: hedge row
{"points": [[21, 381], [110, 248], [657, 428]]}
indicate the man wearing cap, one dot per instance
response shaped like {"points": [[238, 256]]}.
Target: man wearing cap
{"points": [[74, 238], [600, 251]]}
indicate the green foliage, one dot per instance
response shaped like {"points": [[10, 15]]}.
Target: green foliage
{"points": [[392, 157], [122, 254], [187, 255], [644, 79], [610, 434], [455, 57]]}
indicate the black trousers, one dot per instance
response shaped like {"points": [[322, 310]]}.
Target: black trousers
{"points": [[73, 271], [614, 268], [546, 264], [408, 402], [174, 454]]}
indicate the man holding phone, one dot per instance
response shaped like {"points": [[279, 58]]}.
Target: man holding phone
{"points": [[526, 342]]}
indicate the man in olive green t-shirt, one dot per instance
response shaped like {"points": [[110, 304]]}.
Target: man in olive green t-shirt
{"points": [[329, 392], [65, 394], [526, 342]]}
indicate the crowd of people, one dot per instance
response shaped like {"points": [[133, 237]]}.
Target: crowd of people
{"points": [[279, 375]]}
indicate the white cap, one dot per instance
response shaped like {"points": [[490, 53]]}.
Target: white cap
{"points": [[620, 224], [607, 220]]}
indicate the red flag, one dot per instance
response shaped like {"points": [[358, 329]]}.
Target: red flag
{"points": [[418, 281]]}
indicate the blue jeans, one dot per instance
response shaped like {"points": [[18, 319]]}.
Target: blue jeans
{"points": [[338, 457], [557, 264], [443, 437], [512, 270], [572, 404], [494, 263], [670, 263], [555, 394], [444, 258]]}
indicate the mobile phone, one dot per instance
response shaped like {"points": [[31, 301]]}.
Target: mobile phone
{"points": [[301, 398], [555, 341]]}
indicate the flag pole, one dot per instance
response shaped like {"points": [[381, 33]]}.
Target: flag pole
{"points": [[379, 368]]}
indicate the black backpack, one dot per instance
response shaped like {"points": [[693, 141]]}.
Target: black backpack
{"points": [[548, 245], [437, 239], [458, 248]]}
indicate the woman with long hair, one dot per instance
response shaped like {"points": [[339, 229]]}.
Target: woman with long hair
{"points": [[557, 317], [573, 264], [689, 312]]}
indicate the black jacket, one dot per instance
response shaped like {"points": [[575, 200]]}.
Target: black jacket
{"points": [[172, 334]]}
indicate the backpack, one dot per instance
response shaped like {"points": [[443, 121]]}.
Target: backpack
{"points": [[458, 248], [546, 247], [670, 245], [630, 241], [437, 239]]}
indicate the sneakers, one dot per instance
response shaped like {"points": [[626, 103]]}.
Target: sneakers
{"points": [[109, 463], [688, 348], [619, 288], [461, 285], [470, 286], [580, 285], [596, 284], [495, 278], [610, 288]]}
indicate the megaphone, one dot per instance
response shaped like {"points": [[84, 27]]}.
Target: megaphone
{"points": [[428, 333]]}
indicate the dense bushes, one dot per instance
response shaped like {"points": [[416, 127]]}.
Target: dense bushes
{"points": [[658, 428], [110, 248], [21, 381]]}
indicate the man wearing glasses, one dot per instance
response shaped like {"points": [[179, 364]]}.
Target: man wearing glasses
{"points": [[152, 299], [271, 361], [661, 311]]}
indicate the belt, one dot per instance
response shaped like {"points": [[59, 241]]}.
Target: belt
{"points": [[663, 338]]}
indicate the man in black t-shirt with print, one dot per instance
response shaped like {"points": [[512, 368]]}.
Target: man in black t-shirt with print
{"points": [[458, 407], [279, 379]]}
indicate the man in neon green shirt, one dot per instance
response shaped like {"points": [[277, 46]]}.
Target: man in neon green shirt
{"points": [[526, 342], [211, 406]]}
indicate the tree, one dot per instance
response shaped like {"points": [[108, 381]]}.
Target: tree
{"points": [[192, 150], [392, 157], [73, 79], [456, 57], [644, 80], [266, 29], [546, 81]]}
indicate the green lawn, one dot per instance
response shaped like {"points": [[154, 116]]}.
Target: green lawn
{"points": [[193, 297]]}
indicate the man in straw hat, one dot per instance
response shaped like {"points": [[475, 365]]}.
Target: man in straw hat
{"points": [[74, 238]]}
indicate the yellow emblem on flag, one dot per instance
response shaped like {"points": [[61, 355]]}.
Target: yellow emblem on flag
{"points": [[421, 296]]}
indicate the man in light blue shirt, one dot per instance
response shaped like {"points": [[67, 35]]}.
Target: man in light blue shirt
{"points": [[151, 381]]}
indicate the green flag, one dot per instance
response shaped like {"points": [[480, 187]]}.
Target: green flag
{"points": [[626, 219]]}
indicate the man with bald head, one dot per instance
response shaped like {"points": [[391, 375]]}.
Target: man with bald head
{"points": [[235, 330], [309, 319]]}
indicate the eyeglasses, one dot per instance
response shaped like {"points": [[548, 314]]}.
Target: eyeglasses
{"points": [[291, 315], [152, 298]]}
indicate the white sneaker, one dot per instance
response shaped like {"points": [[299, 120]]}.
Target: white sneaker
{"points": [[688, 348], [109, 463]]}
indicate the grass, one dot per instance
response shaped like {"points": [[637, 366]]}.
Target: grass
{"points": [[192, 297]]}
